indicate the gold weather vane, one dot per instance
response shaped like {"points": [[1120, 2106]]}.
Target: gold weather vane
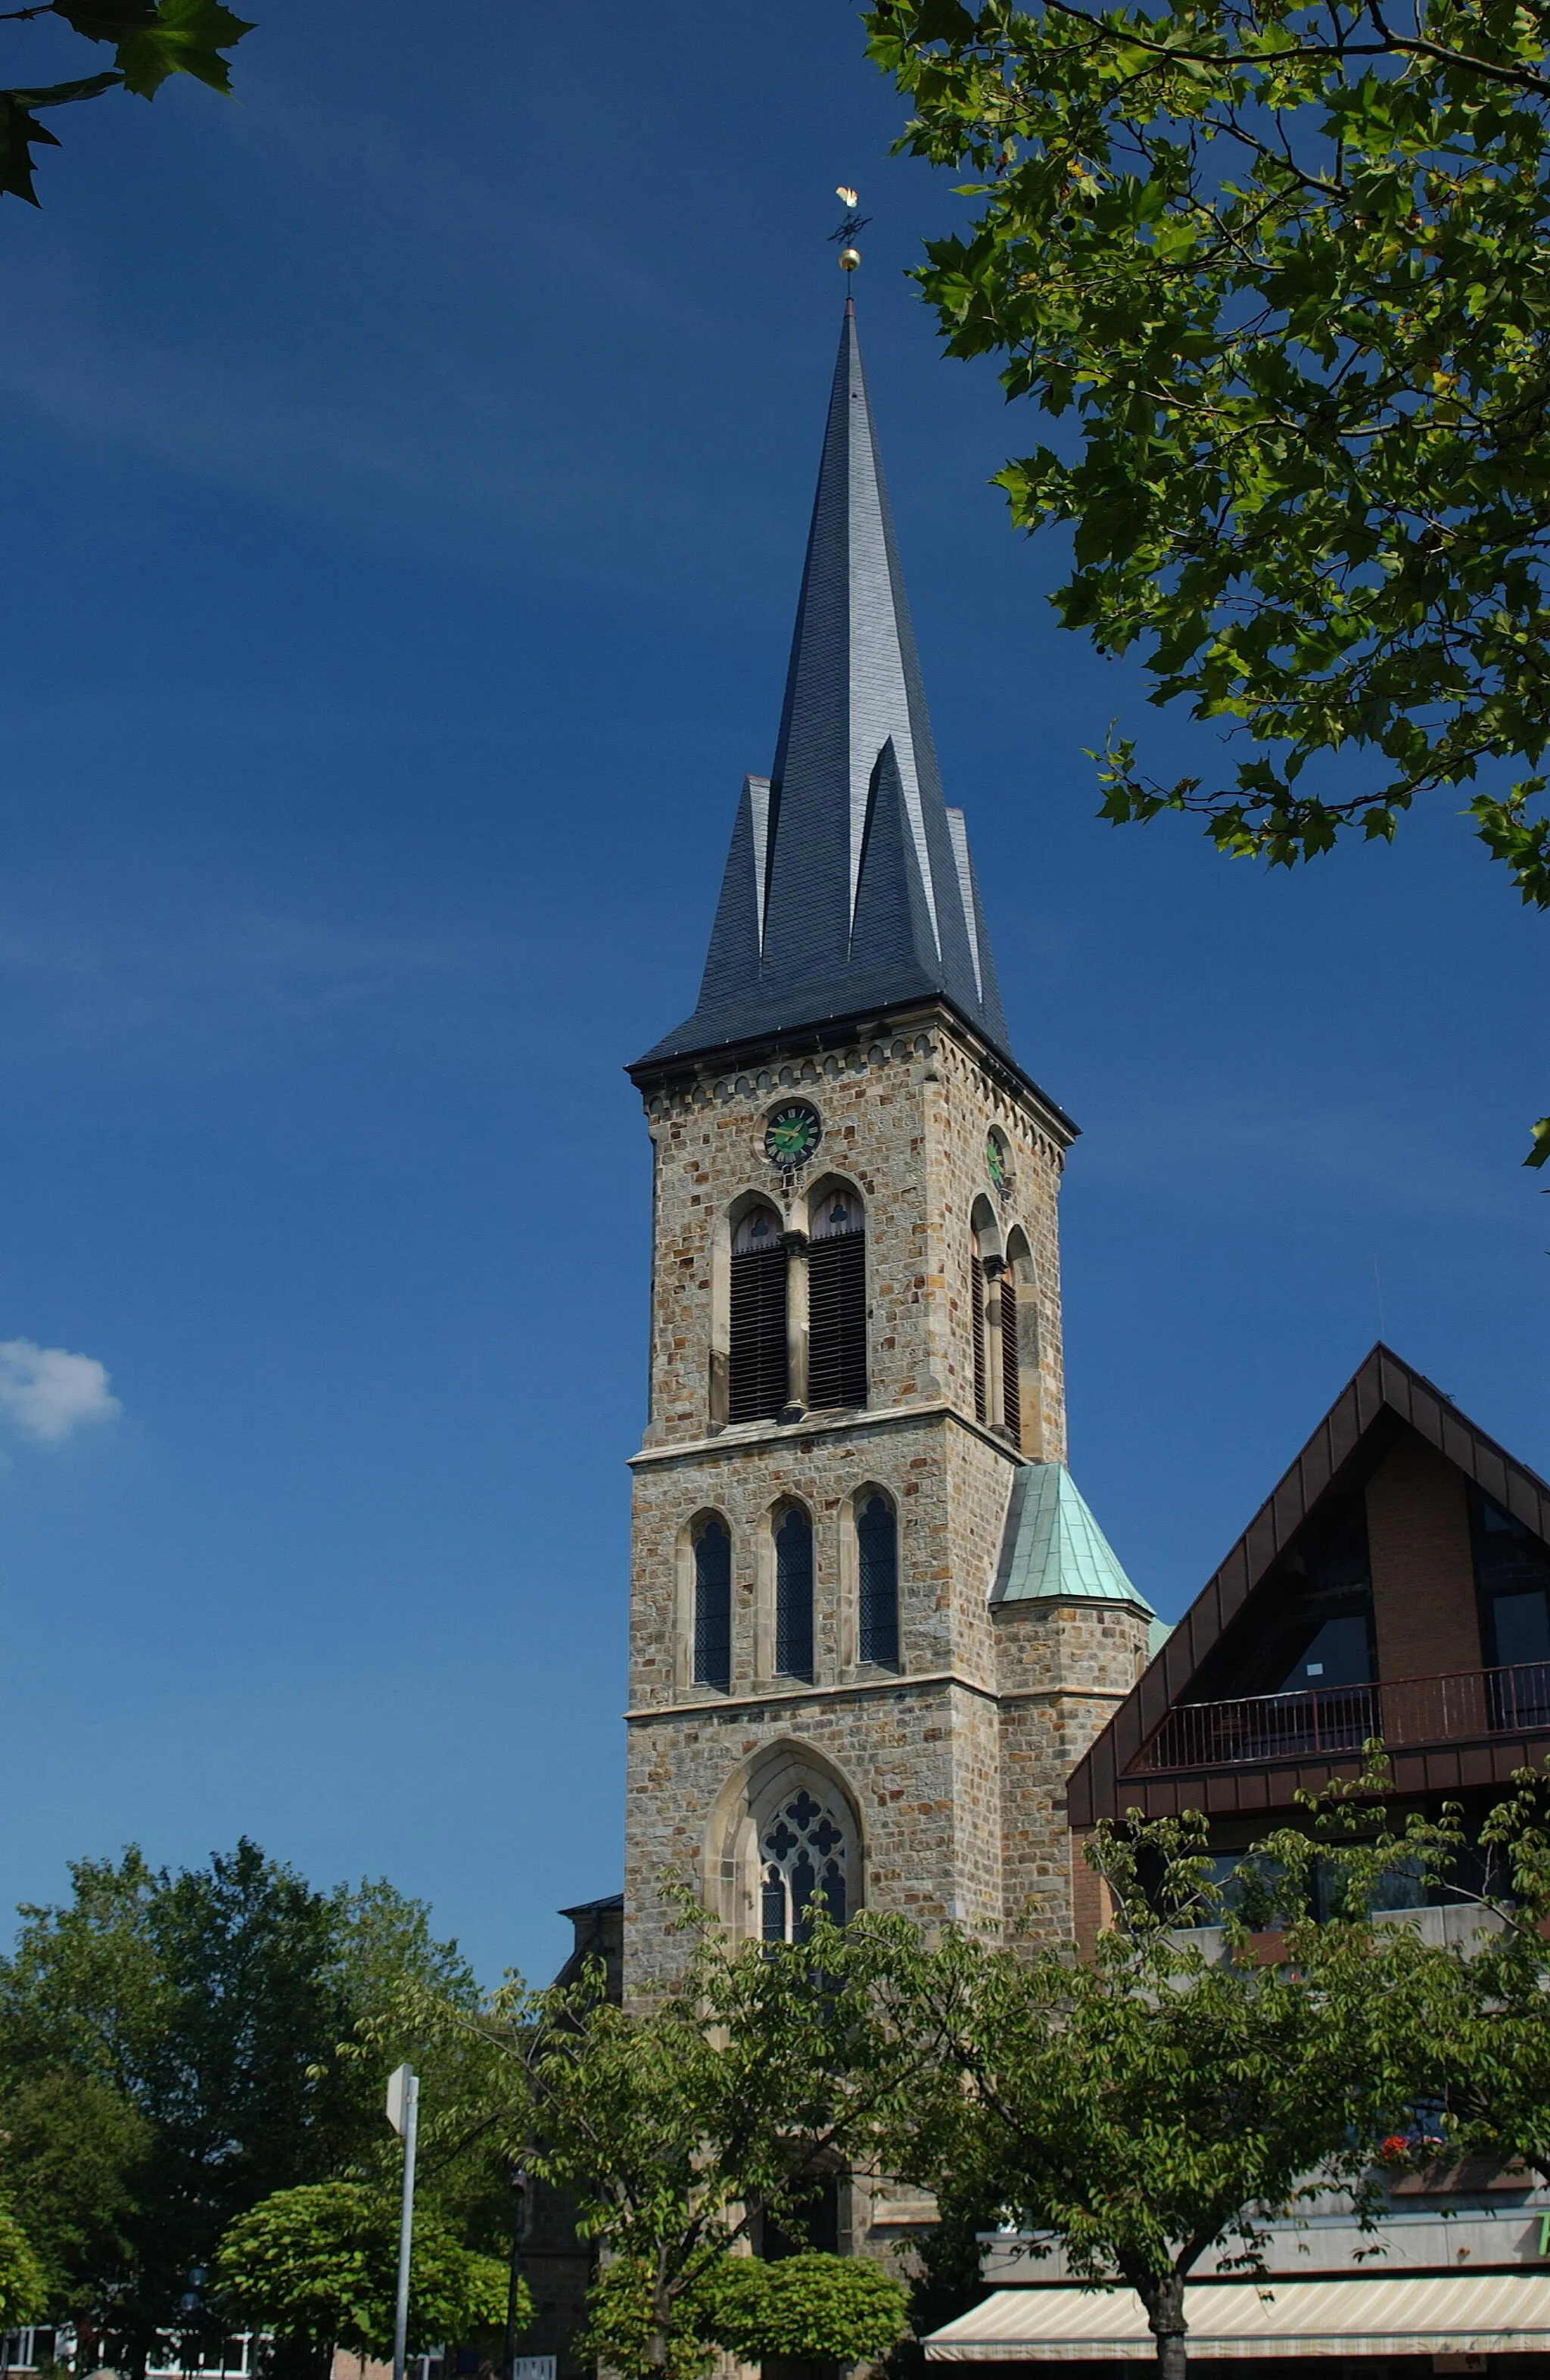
{"points": [[850, 255]]}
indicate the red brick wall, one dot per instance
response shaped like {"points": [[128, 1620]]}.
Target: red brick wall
{"points": [[1092, 1907], [1418, 1535]]}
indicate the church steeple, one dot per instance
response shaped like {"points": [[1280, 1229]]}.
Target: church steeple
{"points": [[849, 885]]}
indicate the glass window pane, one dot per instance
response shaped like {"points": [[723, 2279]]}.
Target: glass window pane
{"points": [[793, 1595], [713, 1607], [878, 1550]]}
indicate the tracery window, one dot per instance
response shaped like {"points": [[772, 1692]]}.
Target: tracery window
{"points": [[877, 1540], [793, 1594], [712, 1560], [805, 1858], [837, 1302], [756, 1375]]}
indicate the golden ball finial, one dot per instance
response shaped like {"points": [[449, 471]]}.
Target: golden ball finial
{"points": [[849, 259]]}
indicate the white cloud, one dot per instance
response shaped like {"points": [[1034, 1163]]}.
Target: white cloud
{"points": [[48, 1393]]}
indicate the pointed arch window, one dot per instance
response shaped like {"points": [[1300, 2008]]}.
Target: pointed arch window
{"points": [[805, 1854], [757, 1374], [712, 1558], [837, 1302], [793, 1594], [877, 1540]]}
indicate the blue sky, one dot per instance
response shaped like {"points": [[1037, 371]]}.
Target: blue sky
{"points": [[406, 473]]}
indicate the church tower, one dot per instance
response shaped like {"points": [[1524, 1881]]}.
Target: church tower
{"points": [[872, 1623]]}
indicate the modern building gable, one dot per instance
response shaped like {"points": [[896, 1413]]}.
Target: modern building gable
{"points": [[1395, 1463]]}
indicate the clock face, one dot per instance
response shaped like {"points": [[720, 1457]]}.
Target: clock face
{"points": [[791, 1135]]}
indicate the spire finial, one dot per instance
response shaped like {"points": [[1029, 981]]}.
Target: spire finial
{"points": [[850, 255]]}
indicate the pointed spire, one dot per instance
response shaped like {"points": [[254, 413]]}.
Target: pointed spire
{"points": [[848, 884]]}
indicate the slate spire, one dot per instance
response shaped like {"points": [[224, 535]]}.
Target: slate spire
{"points": [[848, 884]]}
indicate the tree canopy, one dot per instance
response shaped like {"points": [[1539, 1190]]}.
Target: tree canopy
{"points": [[176, 2047], [151, 40], [1284, 266]]}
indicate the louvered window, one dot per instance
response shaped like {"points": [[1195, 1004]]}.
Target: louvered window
{"points": [[977, 1303], [713, 1605], [1012, 1400], [877, 1535], [793, 1595], [757, 1371], [837, 1306]]}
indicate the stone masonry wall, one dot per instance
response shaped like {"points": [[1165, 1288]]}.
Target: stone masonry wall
{"points": [[1063, 1670], [921, 1753]]}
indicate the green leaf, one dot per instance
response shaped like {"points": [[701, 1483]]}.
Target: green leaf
{"points": [[944, 20], [20, 133], [105, 20], [184, 37], [1540, 1153]]}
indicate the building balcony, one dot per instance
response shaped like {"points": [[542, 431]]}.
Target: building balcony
{"points": [[1461, 1706]]}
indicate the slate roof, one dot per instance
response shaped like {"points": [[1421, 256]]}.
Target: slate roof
{"points": [[1052, 1549], [849, 885]]}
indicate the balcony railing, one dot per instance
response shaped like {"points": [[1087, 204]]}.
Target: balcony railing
{"points": [[1461, 1706]]}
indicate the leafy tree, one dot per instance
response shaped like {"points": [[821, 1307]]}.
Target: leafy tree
{"points": [[1184, 2087], [72, 2147], [1137, 2109], [23, 2282], [1288, 263], [725, 2104], [176, 2047], [151, 40], [318, 2265], [809, 2308]]}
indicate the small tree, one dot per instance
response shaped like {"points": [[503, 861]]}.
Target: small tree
{"points": [[1159, 2099], [810, 2309], [729, 2101], [318, 2267]]}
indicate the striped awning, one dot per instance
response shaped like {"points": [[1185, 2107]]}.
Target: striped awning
{"points": [[1481, 2313]]}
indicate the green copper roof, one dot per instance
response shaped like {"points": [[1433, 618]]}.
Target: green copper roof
{"points": [[1053, 1550]]}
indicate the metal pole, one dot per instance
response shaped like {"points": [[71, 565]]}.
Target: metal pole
{"points": [[405, 2225]]}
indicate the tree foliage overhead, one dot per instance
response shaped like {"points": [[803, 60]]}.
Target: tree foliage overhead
{"points": [[150, 40], [1288, 266]]}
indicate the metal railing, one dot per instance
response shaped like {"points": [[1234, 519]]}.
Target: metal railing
{"points": [[1459, 1707]]}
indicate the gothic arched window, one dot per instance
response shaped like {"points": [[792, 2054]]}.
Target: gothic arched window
{"points": [[876, 1542], [712, 1558], [757, 1353], [793, 1594], [837, 1302], [804, 1855]]}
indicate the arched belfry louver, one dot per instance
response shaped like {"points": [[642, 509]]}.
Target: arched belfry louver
{"points": [[837, 1302], [757, 1366]]}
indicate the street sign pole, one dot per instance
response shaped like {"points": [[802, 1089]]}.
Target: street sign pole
{"points": [[402, 2114]]}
